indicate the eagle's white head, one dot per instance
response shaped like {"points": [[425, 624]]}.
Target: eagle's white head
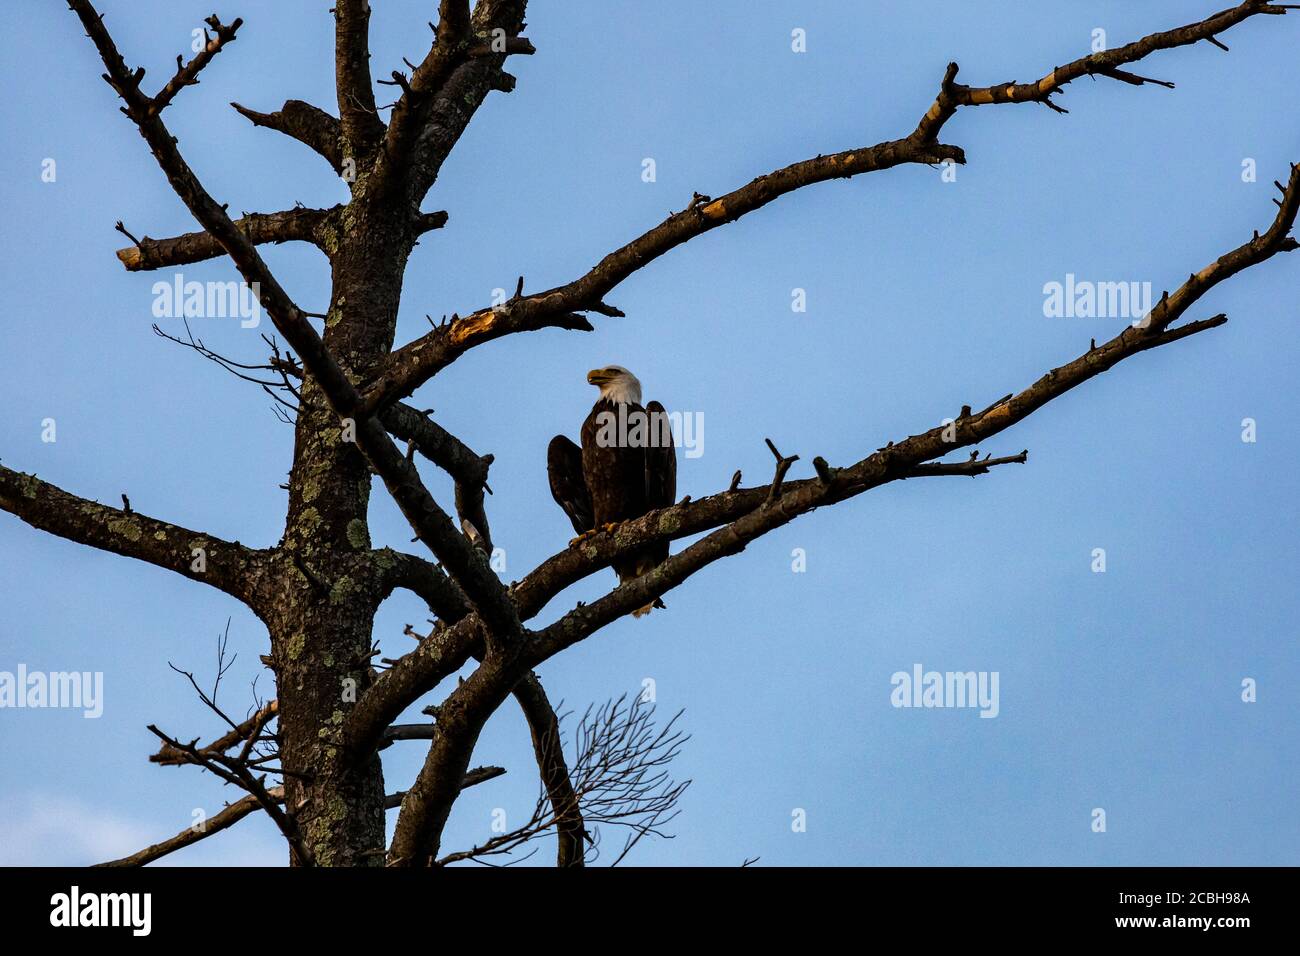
{"points": [[616, 384]]}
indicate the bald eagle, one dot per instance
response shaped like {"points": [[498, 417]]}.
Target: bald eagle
{"points": [[625, 468]]}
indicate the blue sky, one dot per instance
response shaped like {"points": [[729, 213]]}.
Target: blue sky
{"points": [[1118, 690]]}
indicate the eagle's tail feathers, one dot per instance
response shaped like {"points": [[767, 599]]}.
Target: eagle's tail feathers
{"points": [[644, 565]]}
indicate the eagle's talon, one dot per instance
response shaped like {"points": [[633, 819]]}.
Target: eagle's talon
{"points": [[574, 542], [603, 529]]}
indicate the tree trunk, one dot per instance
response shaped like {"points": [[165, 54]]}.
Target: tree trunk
{"points": [[321, 623], [321, 650]]}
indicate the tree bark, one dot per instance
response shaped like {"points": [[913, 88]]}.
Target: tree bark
{"points": [[321, 623]]}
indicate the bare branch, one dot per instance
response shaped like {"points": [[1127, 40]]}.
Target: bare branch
{"points": [[472, 778], [408, 732], [228, 566], [235, 771], [509, 45], [415, 109], [783, 464], [423, 578], [562, 799], [418, 361], [972, 467], [457, 96], [241, 808], [243, 732], [953, 95], [307, 124], [619, 778], [359, 119], [428, 221], [301, 224], [412, 107], [449, 453], [279, 369], [188, 74], [227, 818]]}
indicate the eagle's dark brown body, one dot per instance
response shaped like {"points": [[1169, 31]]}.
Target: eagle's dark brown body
{"points": [[605, 482]]}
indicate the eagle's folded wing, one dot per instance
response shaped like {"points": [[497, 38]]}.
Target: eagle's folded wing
{"points": [[568, 487], [660, 460]]}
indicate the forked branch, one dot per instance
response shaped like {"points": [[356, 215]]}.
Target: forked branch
{"points": [[952, 95], [187, 74]]}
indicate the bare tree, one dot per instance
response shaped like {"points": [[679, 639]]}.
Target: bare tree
{"points": [[318, 589]]}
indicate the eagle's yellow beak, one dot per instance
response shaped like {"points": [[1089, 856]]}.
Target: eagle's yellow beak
{"points": [[598, 376]]}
